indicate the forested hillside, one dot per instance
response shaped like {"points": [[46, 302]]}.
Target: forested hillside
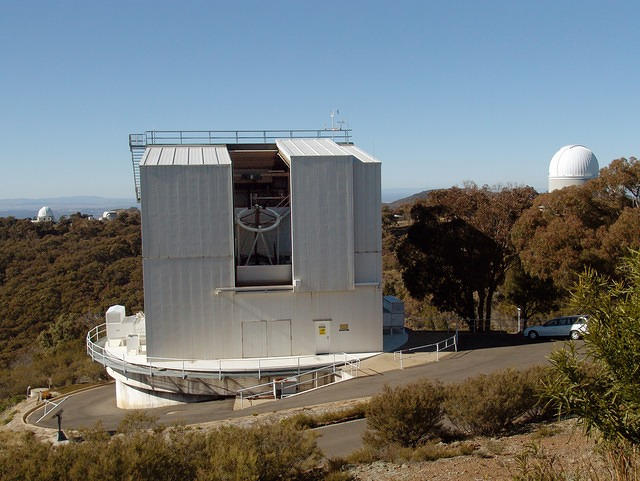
{"points": [[464, 253], [56, 281]]}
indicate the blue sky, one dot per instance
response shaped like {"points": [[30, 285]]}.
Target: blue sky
{"points": [[441, 92]]}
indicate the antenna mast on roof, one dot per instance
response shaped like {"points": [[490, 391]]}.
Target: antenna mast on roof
{"points": [[332, 115]]}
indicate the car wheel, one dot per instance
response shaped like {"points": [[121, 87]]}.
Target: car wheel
{"points": [[533, 335], [575, 335]]}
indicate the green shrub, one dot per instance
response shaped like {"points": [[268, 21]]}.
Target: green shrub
{"points": [[534, 464], [601, 384], [395, 453], [9, 402], [336, 470], [338, 476], [365, 455], [135, 421], [406, 415], [266, 453], [491, 404]]}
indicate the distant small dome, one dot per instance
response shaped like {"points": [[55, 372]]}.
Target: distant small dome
{"points": [[45, 213], [572, 165], [109, 215]]}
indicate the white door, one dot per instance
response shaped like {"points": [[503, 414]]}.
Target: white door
{"points": [[279, 337], [254, 339], [322, 335]]}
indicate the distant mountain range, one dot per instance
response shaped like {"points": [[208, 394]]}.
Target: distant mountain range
{"points": [[409, 199], [94, 205], [391, 195], [28, 208]]}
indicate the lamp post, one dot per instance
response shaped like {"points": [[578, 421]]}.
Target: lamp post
{"points": [[518, 319]]}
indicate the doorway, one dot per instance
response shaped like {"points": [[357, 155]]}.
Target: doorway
{"points": [[323, 335]]}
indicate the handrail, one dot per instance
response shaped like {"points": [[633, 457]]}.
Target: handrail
{"points": [[448, 342], [186, 137], [182, 369], [273, 390], [139, 142]]}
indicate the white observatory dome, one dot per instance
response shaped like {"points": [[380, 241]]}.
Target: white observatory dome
{"points": [[572, 165], [45, 214]]}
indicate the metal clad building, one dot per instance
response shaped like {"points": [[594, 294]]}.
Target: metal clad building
{"points": [[187, 245], [259, 251], [322, 214]]}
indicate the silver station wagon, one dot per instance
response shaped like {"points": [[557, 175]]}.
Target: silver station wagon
{"points": [[568, 326]]}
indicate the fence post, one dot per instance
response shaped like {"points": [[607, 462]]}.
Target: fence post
{"points": [[437, 352], [455, 341], [401, 364], [259, 374]]}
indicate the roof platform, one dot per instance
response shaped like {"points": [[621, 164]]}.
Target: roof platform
{"points": [[138, 143]]}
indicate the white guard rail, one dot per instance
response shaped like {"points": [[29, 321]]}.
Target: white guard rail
{"points": [[436, 347], [217, 368], [277, 389]]}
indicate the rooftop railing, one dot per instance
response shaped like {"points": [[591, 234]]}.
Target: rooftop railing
{"points": [[139, 142], [198, 137]]}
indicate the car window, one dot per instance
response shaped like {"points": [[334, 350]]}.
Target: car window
{"points": [[552, 322]]}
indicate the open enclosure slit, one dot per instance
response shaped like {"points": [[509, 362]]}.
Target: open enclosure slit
{"points": [[262, 216]]}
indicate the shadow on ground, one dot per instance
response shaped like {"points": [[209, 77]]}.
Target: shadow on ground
{"points": [[467, 341]]}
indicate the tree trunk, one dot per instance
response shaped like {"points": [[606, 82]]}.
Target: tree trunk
{"points": [[487, 316], [481, 300], [470, 310]]}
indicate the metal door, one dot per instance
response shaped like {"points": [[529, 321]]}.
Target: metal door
{"points": [[279, 337], [254, 339], [322, 335]]}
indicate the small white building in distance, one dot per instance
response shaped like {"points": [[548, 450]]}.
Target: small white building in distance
{"points": [[260, 261], [109, 215], [572, 165], [45, 214]]}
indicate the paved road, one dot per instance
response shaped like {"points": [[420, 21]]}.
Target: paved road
{"points": [[85, 409], [340, 440]]}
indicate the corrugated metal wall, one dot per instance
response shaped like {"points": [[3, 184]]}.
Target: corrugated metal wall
{"points": [[367, 221], [187, 224], [322, 222], [188, 252]]}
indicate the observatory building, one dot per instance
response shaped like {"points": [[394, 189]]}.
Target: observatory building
{"points": [[45, 214], [260, 260], [572, 165]]}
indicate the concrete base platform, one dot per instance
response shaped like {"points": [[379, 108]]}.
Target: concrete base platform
{"points": [[129, 397], [158, 388]]}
